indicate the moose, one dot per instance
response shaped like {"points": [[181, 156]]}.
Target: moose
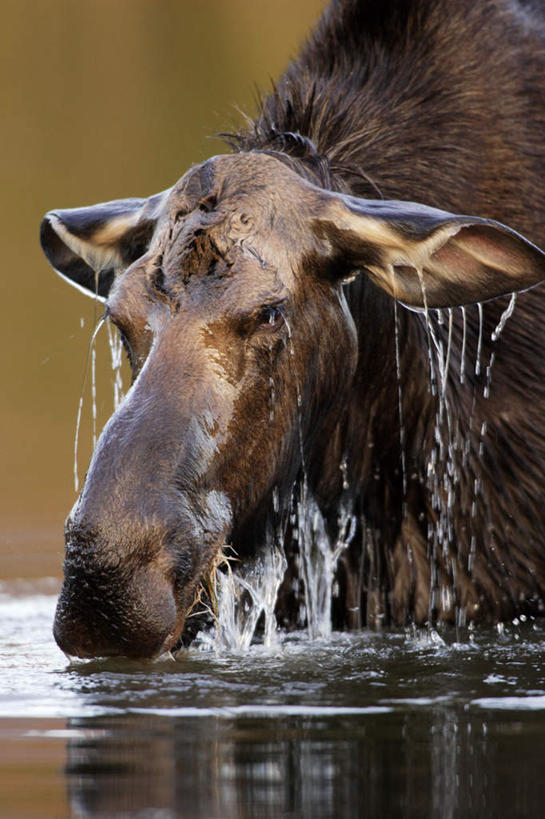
{"points": [[341, 307]]}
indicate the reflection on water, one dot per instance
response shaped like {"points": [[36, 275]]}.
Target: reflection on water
{"points": [[364, 724], [440, 761]]}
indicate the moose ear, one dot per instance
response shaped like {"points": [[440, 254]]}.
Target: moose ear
{"points": [[88, 246], [426, 257]]}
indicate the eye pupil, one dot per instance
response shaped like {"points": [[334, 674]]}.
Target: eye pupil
{"points": [[274, 315]]}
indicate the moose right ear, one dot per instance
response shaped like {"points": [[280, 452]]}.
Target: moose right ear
{"points": [[88, 246], [426, 257]]}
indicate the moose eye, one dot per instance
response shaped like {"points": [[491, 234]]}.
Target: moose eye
{"points": [[271, 317]]}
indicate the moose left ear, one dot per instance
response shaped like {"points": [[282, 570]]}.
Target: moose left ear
{"points": [[426, 257], [88, 246]]}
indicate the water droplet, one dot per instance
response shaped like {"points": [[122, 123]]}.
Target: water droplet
{"points": [[507, 313], [480, 341]]}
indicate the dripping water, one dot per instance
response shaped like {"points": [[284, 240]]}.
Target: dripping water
{"points": [[447, 358], [299, 405], [444, 471], [488, 380], [273, 397], [507, 313], [90, 358], [94, 392], [443, 466], [116, 357], [319, 555], [429, 328], [400, 402], [463, 353], [480, 341], [505, 316]]}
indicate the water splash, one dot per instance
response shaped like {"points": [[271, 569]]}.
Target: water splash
{"points": [[247, 595], [318, 558], [242, 598]]}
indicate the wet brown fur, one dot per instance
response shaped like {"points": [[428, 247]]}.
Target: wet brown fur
{"points": [[438, 102]]}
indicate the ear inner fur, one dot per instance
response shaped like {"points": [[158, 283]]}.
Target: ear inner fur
{"points": [[405, 246]]}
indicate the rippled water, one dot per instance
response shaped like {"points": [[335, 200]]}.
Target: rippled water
{"points": [[394, 724]]}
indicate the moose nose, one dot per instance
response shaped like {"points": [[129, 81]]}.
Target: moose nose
{"points": [[96, 617]]}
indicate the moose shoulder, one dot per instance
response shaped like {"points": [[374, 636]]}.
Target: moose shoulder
{"points": [[262, 303]]}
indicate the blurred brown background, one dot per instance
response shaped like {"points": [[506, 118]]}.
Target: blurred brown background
{"points": [[100, 99]]}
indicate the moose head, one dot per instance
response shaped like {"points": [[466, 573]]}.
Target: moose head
{"points": [[228, 293]]}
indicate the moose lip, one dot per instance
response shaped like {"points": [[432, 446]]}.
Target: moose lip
{"points": [[173, 639], [171, 642]]}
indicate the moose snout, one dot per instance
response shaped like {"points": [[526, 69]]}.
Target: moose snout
{"points": [[104, 611]]}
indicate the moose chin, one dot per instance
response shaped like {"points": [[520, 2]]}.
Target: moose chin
{"points": [[304, 315]]}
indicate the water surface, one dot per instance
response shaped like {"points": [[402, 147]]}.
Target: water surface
{"points": [[393, 724]]}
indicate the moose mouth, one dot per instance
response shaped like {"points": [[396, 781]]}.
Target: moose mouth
{"points": [[117, 611], [131, 628]]}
